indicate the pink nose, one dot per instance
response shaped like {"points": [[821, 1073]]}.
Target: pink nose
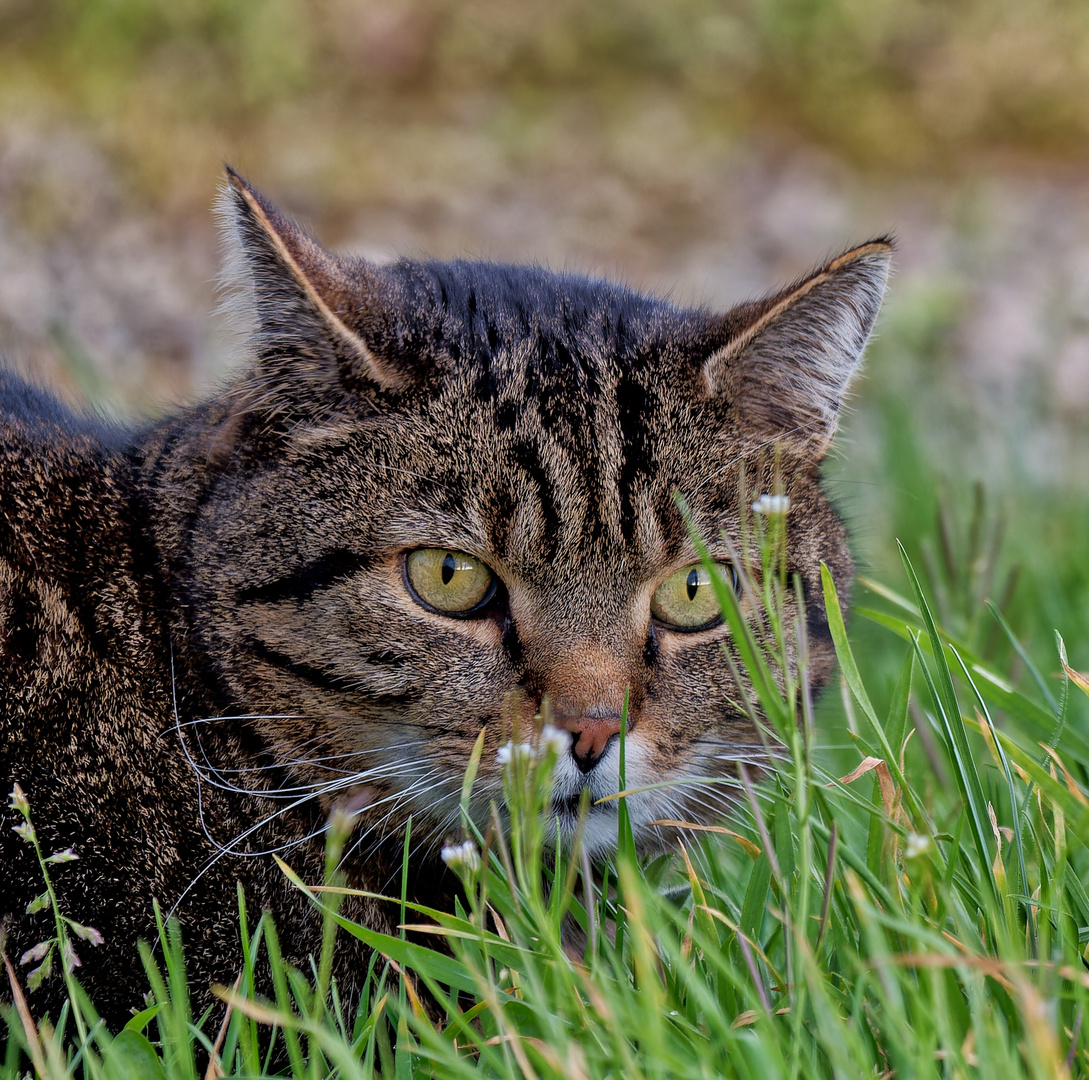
{"points": [[592, 736]]}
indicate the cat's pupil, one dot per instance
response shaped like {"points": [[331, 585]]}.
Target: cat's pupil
{"points": [[693, 584], [449, 565]]}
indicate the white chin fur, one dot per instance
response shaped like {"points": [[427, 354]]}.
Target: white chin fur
{"points": [[600, 832]]}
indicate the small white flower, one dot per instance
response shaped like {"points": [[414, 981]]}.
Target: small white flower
{"points": [[35, 954], [26, 831], [554, 738], [19, 801], [461, 856], [916, 845], [771, 504], [67, 855], [88, 933], [68, 955], [512, 750]]}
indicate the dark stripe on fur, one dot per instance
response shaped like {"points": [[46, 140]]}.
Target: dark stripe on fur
{"points": [[303, 583]]}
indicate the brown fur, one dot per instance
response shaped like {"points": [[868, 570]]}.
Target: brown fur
{"points": [[202, 617]]}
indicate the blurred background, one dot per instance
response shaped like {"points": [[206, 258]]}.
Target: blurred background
{"points": [[708, 149]]}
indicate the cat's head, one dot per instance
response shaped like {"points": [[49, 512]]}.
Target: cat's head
{"points": [[445, 492]]}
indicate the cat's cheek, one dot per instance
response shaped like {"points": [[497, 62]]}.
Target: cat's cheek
{"points": [[692, 683]]}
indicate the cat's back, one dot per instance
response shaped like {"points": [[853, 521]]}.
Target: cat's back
{"points": [[65, 530], [48, 447], [31, 417]]}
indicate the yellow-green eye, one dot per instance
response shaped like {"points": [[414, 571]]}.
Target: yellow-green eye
{"points": [[448, 581], [686, 599]]}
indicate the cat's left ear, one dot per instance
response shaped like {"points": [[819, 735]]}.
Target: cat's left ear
{"points": [[316, 314], [787, 366]]}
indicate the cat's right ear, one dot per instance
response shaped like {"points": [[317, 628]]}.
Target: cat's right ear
{"points": [[309, 310], [789, 359]]}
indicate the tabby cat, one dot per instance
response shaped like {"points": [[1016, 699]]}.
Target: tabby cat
{"points": [[440, 493]]}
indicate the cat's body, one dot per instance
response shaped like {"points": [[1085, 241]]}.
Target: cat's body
{"points": [[441, 493]]}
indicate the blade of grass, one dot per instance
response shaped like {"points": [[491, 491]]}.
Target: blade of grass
{"points": [[853, 678], [945, 698], [1023, 882]]}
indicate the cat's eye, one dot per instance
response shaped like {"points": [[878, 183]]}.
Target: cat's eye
{"points": [[449, 582], [686, 599]]}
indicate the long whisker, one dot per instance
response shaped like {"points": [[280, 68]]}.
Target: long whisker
{"points": [[319, 762], [219, 776], [231, 848], [382, 830], [296, 796]]}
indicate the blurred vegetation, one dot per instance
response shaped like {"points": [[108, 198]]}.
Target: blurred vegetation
{"points": [[887, 84], [921, 459]]}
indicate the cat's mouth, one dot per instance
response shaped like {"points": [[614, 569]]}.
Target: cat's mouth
{"points": [[596, 824], [569, 806], [592, 792]]}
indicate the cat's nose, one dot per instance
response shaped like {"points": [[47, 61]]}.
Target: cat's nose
{"points": [[589, 737]]}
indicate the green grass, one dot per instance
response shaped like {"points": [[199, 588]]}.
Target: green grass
{"points": [[906, 895]]}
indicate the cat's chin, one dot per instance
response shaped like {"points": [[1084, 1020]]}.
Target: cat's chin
{"points": [[599, 835], [600, 831], [602, 784]]}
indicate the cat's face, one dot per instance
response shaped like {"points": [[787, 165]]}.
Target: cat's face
{"points": [[448, 495]]}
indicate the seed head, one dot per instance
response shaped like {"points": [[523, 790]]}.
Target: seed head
{"points": [[463, 856], [771, 504]]}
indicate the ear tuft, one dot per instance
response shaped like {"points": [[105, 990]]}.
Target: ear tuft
{"points": [[304, 303], [787, 370]]}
